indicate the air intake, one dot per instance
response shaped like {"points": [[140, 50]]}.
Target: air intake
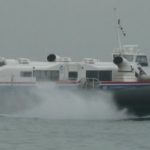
{"points": [[51, 58]]}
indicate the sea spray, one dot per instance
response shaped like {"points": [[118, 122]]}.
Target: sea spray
{"points": [[56, 102], [14, 99]]}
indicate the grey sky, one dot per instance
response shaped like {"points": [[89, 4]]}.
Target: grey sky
{"points": [[76, 28]]}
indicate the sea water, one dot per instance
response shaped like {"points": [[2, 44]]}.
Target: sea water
{"points": [[69, 119]]}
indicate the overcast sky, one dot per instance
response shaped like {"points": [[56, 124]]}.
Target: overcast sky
{"points": [[76, 28]]}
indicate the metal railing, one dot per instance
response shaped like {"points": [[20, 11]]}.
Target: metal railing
{"points": [[89, 82]]}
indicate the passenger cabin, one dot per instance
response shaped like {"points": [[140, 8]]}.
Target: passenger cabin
{"points": [[63, 69]]}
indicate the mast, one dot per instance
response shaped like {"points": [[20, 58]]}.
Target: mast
{"points": [[119, 28]]}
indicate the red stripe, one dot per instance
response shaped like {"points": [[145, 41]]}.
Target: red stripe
{"points": [[125, 82], [67, 82], [6, 82]]}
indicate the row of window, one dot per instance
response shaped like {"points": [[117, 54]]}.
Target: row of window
{"points": [[99, 75], [45, 75], [141, 59], [26, 74], [41, 75]]}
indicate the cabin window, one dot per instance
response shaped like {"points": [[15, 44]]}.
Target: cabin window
{"points": [[54, 75], [142, 60], [26, 74], [99, 75], [105, 75], [46, 75], [128, 57], [73, 75], [92, 74]]}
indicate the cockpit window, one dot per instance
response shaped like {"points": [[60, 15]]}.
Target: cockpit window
{"points": [[128, 57], [142, 60]]}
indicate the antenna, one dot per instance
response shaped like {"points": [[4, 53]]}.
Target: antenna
{"points": [[117, 28]]}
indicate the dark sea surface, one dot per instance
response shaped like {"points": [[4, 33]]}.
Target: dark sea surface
{"points": [[55, 118]]}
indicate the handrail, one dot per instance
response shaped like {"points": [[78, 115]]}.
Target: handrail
{"points": [[89, 82]]}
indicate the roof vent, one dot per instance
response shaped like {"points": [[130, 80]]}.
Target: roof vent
{"points": [[90, 60], [65, 59], [24, 61]]}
